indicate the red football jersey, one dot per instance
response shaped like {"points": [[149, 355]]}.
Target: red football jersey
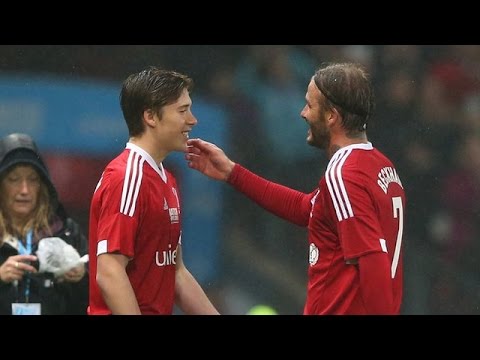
{"points": [[358, 209], [135, 211]]}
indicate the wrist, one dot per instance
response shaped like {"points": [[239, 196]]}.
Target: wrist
{"points": [[231, 166]]}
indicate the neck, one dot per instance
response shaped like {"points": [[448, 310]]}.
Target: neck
{"points": [[341, 141], [20, 231], [150, 147], [19, 223]]}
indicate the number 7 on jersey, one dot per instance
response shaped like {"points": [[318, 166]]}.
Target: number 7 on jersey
{"points": [[397, 213]]}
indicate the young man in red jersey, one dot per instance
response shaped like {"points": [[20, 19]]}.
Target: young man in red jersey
{"points": [[136, 262], [355, 216]]}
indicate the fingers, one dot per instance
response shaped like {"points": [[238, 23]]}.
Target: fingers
{"points": [[191, 149], [199, 144], [13, 270], [200, 147], [194, 141], [193, 156], [75, 274], [22, 262], [25, 267], [24, 258]]}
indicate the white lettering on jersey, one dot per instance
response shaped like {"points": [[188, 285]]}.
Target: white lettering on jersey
{"points": [[386, 176], [166, 257]]}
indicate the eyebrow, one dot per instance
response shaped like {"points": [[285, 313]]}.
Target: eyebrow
{"points": [[184, 106]]}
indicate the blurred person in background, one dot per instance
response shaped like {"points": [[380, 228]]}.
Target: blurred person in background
{"points": [[355, 217], [455, 232], [29, 212], [135, 216]]}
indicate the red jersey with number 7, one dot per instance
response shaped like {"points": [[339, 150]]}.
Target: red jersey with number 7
{"points": [[359, 209]]}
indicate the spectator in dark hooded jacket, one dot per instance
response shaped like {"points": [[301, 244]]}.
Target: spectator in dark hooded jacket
{"points": [[29, 212]]}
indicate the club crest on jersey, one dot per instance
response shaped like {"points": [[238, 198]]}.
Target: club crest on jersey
{"points": [[313, 254]]}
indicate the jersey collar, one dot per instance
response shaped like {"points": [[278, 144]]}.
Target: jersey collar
{"points": [[158, 168]]}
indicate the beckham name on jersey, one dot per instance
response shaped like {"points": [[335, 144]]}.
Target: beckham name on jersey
{"points": [[386, 176]]}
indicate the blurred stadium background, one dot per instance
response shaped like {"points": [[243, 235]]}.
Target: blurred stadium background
{"points": [[248, 99]]}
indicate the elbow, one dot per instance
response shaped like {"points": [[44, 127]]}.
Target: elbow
{"points": [[101, 280], [104, 277]]}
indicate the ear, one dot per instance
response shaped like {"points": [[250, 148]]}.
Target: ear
{"points": [[333, 117], [149, 117]]}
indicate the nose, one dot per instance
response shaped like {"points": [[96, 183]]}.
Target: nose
{"points": [[24, 186], [302, 112], [192, 120]]}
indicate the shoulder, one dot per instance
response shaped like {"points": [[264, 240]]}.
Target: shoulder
{"points": [[345, 161], [125, 168], [351, 165]]}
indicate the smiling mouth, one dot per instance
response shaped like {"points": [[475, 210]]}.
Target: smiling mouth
{"points": [[23, 201], [185, 134]]}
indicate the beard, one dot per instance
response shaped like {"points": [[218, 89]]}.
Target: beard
{"points": [[319, 137]]}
